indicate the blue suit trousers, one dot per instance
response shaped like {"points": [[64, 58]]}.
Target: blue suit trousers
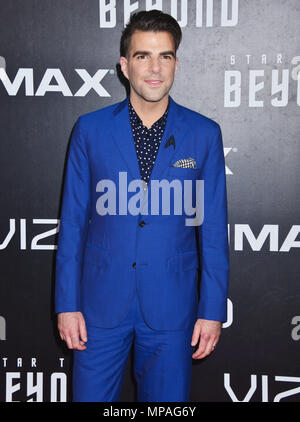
{"points": [[162, 361]]}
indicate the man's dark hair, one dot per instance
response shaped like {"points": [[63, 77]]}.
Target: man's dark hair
{"points": [[153, 20]]}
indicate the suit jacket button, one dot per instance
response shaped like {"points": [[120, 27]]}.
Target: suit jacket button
{"points": [[142, 223], [134, 264]]}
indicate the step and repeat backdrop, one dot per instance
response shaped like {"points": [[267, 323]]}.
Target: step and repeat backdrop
{"points": [[239, 63]]}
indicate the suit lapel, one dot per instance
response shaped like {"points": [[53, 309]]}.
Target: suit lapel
{"points": [[172, 139], [123, 138]]}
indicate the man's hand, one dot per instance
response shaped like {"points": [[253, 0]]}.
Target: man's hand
{"points": [[72, 329], [209, 332]]}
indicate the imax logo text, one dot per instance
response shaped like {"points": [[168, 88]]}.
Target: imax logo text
{"points": [[268, 231], [60, 84]]}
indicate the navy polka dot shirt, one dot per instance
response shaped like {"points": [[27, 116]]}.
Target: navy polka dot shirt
{"points": [[146, 140]]}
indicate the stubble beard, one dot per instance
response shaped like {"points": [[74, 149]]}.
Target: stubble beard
{"points": [[153, 97]]}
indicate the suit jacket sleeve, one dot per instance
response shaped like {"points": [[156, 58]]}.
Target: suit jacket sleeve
{"points": [[213, 236], [73, 224]]}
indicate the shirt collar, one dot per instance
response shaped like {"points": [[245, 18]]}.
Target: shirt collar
{"points": [[135, 119]]}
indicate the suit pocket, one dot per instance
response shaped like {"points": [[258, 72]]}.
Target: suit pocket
{"points": [[97, 256], [183, 173], [183, 262]]}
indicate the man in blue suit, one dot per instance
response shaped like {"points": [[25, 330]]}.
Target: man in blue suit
{"points": [[128, 255]]}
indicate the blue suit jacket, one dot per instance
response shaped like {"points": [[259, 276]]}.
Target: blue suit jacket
{"points": [[103, 260]]}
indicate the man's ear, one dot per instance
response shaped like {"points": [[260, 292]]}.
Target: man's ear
{"points": [[176, 67], [124, 64]]}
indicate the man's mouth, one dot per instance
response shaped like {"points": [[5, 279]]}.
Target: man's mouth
{"points": [[154, 82]]}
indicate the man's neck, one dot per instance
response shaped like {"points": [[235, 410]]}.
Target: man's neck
{"points": [[149, 112]]}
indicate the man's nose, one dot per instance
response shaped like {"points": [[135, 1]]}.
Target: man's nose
{"points": [[155, 65]]}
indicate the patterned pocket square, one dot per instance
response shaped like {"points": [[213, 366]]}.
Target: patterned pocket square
{"points": [[185, 163]]}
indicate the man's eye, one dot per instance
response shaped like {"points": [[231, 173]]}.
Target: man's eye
{"points": [[167, 57], [141, 57]]}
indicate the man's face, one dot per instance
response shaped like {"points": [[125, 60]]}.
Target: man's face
{"points": [[151, 65]]}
